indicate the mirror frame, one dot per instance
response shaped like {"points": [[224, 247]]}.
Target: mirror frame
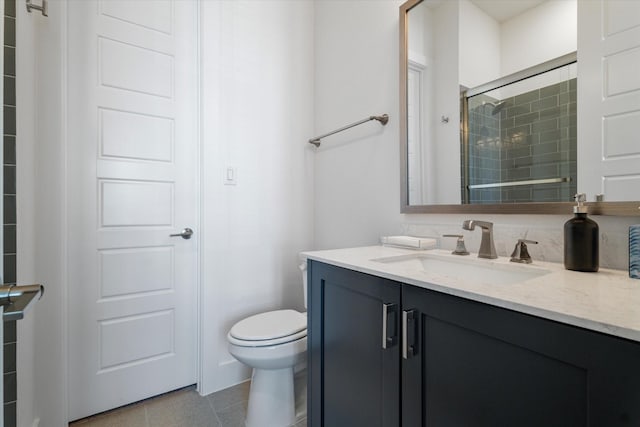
{"points": [[546, 208]]}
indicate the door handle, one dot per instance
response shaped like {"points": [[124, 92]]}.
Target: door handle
{"points": [[409, 330], [185, 234], [389, 325]]}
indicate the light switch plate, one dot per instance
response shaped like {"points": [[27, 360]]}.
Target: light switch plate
{"points": [[230, 176]]}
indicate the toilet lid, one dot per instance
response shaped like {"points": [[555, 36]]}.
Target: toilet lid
{"points": [[269, 325]]}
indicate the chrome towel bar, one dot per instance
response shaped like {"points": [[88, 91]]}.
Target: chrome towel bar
{"points": [[384, 119]]}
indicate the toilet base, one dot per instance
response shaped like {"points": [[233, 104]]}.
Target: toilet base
{"points": [[271, 398]]}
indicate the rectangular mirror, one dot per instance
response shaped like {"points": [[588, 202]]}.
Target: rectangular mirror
{"points": [[501, 115]]}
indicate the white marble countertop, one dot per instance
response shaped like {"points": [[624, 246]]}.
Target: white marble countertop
{"points": [[607, 301]]}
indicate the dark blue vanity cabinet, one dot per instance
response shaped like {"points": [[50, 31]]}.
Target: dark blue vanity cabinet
{"points": [[382, 353], [353, 380]]}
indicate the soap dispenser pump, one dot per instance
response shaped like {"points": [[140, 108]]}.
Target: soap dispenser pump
{"points": [[581, 238]]}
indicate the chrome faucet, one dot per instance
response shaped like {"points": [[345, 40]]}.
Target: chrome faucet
{"points": [[487, 247]]}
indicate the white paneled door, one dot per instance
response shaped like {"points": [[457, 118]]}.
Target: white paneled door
{"points": [[609, 98], [132, 176]]}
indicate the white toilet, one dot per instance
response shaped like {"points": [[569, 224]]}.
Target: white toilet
{"points": [[273, 344]]}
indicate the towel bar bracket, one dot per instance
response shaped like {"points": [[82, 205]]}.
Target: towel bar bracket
{"points": [[40, 8]]}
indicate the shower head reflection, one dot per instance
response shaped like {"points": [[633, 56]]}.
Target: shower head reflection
{"points": [[497, 107]]}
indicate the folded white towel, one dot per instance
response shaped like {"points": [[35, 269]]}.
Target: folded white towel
{"points": [[409, 242]]}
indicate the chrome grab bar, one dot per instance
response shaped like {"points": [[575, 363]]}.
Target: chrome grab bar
{"points": [[10, 293], [17, 299]]}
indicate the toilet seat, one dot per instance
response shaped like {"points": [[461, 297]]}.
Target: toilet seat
{"points": [[270, 328]]}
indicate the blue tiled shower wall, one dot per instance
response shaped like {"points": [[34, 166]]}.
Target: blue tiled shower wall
{"points": [[634, 251], [9, 205], [531, 136]]}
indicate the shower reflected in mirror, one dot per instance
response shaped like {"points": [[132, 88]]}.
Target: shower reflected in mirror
{"points": [[519, 140]]}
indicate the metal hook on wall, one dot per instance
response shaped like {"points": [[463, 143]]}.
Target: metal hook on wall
{"points": [[41, 8]]}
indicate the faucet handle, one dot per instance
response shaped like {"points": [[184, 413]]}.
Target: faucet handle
{"points": [[521, 253], [460, 247]]}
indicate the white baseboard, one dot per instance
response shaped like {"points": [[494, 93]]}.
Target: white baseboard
{"points": [[226, 363], [229, 372]]}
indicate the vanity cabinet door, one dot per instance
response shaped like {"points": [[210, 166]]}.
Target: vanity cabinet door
{"points": [[353, 380], [479, 365]]}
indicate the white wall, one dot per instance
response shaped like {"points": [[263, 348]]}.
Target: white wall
{"points": [[419, 47], [257, 99], [479, 46], [422, 101], [541, 33], [40, 211], [446, 140], [357, 187], [25, 209], [357, 181]]}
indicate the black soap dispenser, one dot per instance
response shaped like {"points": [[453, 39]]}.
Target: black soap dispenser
{"points": [[581, 238]]}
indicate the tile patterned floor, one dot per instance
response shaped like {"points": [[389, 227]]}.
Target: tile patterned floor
{"points": [[181, 408]]}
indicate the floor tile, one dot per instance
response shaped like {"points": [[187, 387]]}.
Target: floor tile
{"points": [[230, 396], [130, 416], [185, 408], [233, 416], [182, 408]]}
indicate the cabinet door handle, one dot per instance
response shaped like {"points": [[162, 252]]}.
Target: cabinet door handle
{"points": [[389, 325], [409, 347]]}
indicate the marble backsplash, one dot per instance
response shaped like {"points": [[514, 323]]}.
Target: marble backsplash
{"points": [[547, 230]]}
